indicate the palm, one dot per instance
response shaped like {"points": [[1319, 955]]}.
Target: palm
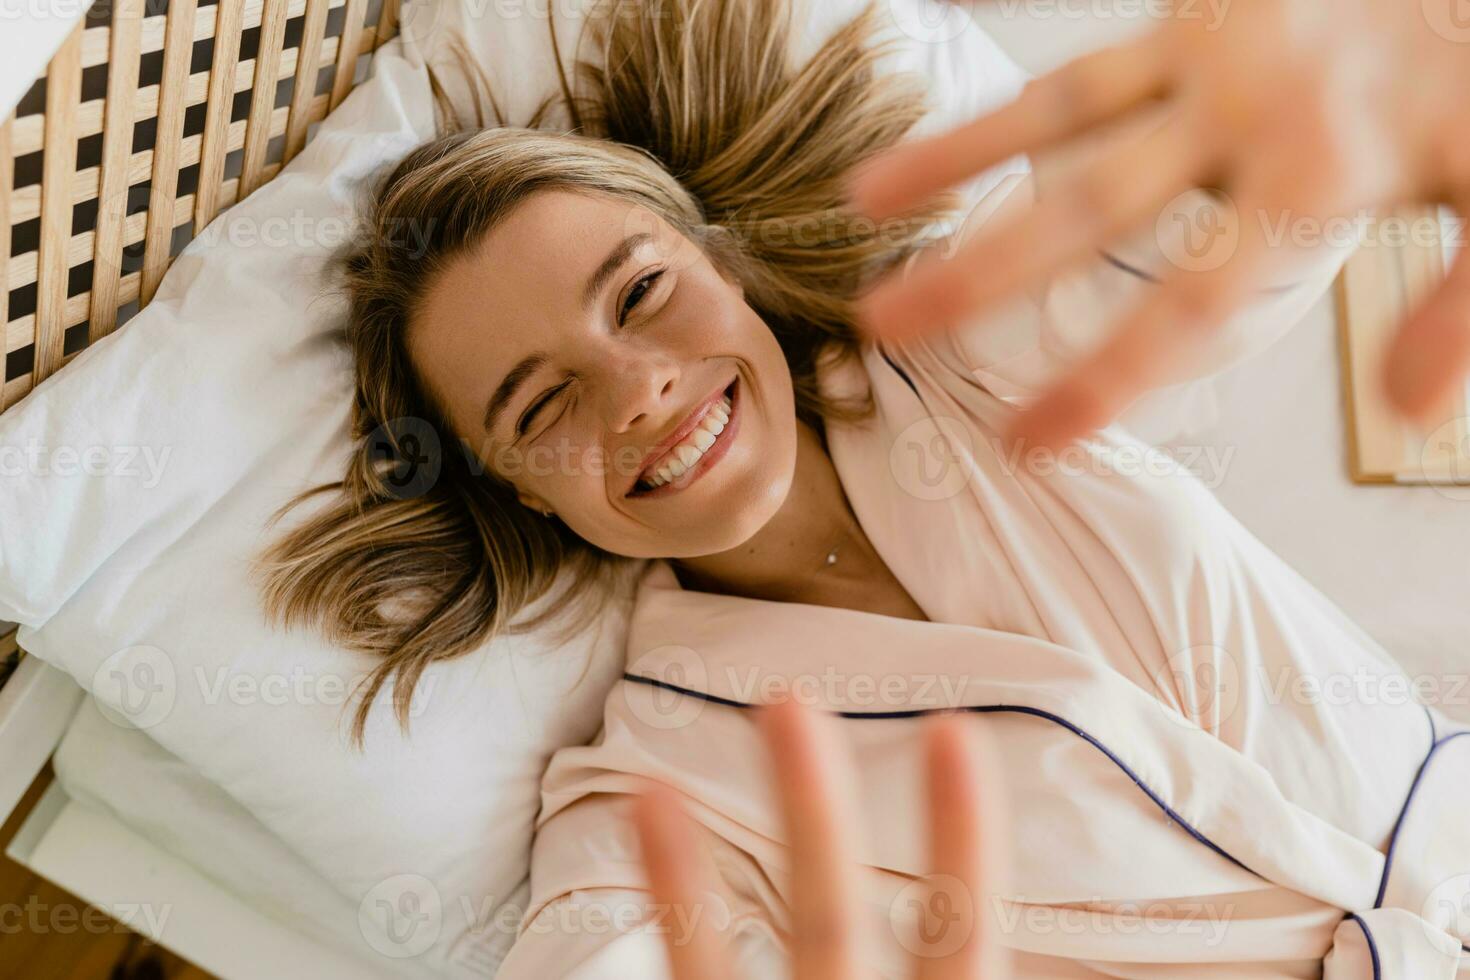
{"points": [[1301, 112]]}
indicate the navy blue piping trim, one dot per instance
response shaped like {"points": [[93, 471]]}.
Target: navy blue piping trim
{"points": [[982, 709], [1398, 824], [1372, 946], [900, 370], [1133, 270], [1435, 743], [1127, 266]]}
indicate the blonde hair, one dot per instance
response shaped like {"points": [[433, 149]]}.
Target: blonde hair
{"points": [[694, 111]]}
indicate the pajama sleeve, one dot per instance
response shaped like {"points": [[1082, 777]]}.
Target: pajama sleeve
{"points": [[590, 934], [613, 933]]}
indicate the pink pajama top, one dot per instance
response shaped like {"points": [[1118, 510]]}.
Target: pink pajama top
{"points": [[1212, 771]]}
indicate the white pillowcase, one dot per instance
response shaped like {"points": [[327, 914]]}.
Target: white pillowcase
{"points": [[138, 480]]}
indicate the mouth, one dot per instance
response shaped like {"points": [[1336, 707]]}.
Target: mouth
{"points": [[697, 446]]}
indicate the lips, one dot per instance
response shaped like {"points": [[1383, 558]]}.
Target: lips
{"points": [[663, 455]]}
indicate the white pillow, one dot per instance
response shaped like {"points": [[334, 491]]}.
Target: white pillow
{"points": [[135, 582], [161, 450]]}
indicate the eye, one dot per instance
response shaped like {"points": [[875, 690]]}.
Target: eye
{"points": [[530, 414], [635, 295]]}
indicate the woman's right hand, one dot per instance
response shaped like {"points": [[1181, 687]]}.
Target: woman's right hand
{"points": [[829, 931], [1304, 112]]}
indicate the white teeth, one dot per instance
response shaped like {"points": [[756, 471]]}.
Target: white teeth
{"points": [[696, 444]]}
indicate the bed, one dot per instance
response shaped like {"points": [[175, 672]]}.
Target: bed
{"points": [[146, 124], [230, 93]]}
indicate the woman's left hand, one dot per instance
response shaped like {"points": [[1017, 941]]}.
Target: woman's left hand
{"points": [[829, 930], [1303, 112]]}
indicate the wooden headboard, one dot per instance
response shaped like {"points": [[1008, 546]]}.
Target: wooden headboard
{"points": [[152, 117]]}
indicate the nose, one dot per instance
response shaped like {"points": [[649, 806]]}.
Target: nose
{"points": [[639, 385]]}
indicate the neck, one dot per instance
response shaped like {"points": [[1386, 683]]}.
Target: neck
{"points": [[779, 561]]}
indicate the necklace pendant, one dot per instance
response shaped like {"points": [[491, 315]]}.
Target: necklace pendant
{"points": [[832, 557]]}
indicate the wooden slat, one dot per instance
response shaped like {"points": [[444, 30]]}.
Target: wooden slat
{"points": [[304, 88], [164, 182], [217, 115], [63, 92], [17, 388], [85, 185], [7, 184], [129, 284], [62, 186], [96, 45], [22, 269], [117, 150], [89, 114], [346, 52], [77, 307], [263, 97]]}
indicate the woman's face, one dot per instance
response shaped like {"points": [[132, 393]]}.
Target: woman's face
{"points": [[589, 333]]}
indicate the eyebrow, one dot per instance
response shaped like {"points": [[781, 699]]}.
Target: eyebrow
{"points": [[610, 265], [500, 400], [505, 391]]}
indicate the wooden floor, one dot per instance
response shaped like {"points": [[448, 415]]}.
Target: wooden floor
{"points": [[49, 934]]}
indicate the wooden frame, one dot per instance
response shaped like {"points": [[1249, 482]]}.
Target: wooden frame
{"points": [[1379, 286], [89, 218], [152, 117]]}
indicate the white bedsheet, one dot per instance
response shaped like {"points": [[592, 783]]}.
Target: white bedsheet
{"points": [[124, 773]]}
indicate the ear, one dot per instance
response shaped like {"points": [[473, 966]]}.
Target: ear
{"points": [[532, 501]]}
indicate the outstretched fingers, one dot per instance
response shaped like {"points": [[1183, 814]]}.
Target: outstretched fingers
{"points": [[680, 879], [1130, 184], [963, 831], [1430, 355], [1052, 108], [1150, 346], [813, 782]]}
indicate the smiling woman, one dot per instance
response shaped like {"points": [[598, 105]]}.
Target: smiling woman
{"points": [[614, 334], [621, 345]]}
